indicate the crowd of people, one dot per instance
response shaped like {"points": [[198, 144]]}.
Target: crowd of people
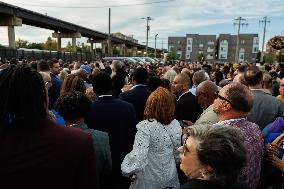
{"points": [[153, 126]]}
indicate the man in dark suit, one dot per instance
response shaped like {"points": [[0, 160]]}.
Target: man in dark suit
{"points": [[35, 152], [265, 106], [117, 118], [187, 107], [54, 90], [138, 94]]}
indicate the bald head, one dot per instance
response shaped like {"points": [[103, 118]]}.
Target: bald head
{"points": [[205, 93], [207, 86]]}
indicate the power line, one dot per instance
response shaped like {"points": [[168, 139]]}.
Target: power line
{"points": [[97, 7], [240, 22]]}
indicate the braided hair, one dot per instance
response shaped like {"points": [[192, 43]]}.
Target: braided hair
{"points": [[23, 97]]}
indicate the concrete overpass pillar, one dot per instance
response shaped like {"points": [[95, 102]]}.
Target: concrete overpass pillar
{"points": [[74, 44], [93, 51], [104, 45], [134, 51], [59, 44], [11, 37], [66, 35], [109, 48], [11, 22], [122, 49]]}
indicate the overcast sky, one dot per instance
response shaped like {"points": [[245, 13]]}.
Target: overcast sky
{"points": [[170, 17]]}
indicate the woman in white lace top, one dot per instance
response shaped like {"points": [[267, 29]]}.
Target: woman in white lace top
{"points": [[152, 162]]}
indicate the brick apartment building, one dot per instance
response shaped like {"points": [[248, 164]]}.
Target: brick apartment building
{"points": [[221, 49]]}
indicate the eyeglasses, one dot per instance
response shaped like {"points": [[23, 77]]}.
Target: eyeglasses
{"points": [[216, 95], [184, 138]]}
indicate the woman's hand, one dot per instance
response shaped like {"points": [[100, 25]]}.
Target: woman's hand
{"points": [[133, 177], [272, 157]]}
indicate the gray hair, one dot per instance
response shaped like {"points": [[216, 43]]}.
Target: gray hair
{"points": [[222, 148], [199, 77]]}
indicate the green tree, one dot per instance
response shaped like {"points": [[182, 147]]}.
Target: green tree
{"points": [[50, 44], [258, 56], [268, 58], [85, 48], [20, 43], [69, 47], [172, 55], [200, 56], [35, 46]]}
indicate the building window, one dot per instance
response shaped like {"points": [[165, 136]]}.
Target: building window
{"points": [[200, 45], [189, 42], [189, 48], [255, 50], [210, 42], [223, 56], [256, 40], [242, 42]]}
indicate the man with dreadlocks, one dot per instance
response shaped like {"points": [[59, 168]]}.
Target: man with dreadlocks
{"points": [[34, 148]]}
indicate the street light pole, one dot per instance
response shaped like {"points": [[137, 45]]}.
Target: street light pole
{"points": [[155, 45], [147, 32]]}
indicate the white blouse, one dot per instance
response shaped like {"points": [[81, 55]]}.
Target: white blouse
{"points": [[154, 156]]}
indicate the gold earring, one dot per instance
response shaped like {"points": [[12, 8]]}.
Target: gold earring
{"points": [[202, 174]]}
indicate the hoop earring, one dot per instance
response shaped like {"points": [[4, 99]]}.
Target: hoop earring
{"points": [[202, 174]]}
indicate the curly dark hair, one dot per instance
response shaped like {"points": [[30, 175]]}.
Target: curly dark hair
{"points": [[160, 106], [73, 105], [23, 97]]}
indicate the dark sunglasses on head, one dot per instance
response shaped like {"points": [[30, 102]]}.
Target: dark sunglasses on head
{"points": [[223, 98]]}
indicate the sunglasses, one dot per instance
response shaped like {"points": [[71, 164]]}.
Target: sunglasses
{"points": [[216, 95], [184, 138]]}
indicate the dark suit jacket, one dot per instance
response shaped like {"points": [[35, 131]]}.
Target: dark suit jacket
{"points": [[187, 108], [265, 108], [117, 118], [138, 98], [51, 155], [54, 90]]}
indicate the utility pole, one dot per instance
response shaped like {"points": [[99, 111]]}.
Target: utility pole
{"points": [[264, 20], [240, 22], [147, 32], [109, 38], [155, 45], [163, 48]]}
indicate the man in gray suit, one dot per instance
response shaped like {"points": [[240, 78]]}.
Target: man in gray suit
{"points": [[265, 106], [205, 95]]}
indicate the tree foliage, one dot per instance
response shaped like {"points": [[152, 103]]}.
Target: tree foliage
{"points": [[172, 55], [268, 58], [20, 43], [200, 56], [50, 44]]}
